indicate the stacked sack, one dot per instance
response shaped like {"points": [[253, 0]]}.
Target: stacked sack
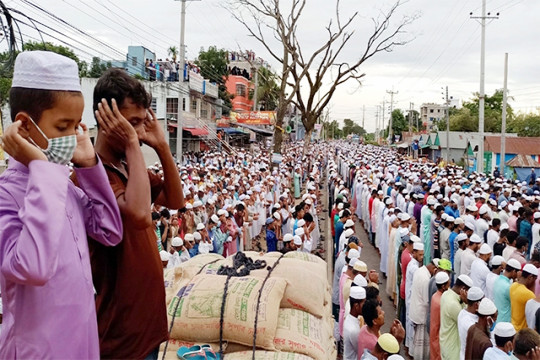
{"points": [[294, 313]]}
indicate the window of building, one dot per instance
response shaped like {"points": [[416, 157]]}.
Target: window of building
{"points": [[431, 111], [134, 61], [204, 113], [183, 104], [438, 110], [153, 104], [241, 90], [193, 105], [172, 108]]}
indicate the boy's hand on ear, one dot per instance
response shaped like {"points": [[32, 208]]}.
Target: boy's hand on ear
{"points": [[84, 155], [15, 143]]}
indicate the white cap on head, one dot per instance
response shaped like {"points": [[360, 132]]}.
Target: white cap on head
{"points": [[353, 253], [537, 215], [297, 241], [466, 280], [197, 236], [189, 237], [214, 218], [348, 223], [418, 246], [200, 226], [299, 231], [497, 260], [475, 294], [476, 239], [163, 255], [483, 210], [348, 233], [441, 277], [450, 219], [531, 269], [176, 241], [461, 237], [358, 292], [45, 70], [459, 221], [395, 357], [360, 280], [431, 201], [288, 237], [513, 263], [353, 261], [484, 249], [504, 329], [469, 225], [301, 223], [487, 307]]}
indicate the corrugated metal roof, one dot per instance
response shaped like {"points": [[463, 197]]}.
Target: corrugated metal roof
{"points": [[525, 161], [514, 145]]}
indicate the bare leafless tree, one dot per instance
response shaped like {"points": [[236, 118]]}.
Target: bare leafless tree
{"points": [[262, 16]]}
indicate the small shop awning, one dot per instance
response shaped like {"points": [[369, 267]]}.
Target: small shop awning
{"points": [[196, 131], [259, 130], [233, 131]]}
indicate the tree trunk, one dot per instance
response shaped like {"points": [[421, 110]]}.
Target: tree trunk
{"points": [[307, 141], [278, 134]]}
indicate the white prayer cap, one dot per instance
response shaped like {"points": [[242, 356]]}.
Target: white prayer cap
{"points": [[297, 241], [444, 216], [200, 226], [299, 231], [348, 233], [164, 256], [404, 217], [513, 263], [431, 202], [360, 280], [476, 239], [353, 261], [466, 280], [358, 293], [189, 237], [469, 225], [349, 223], [487, 307], [472, 208], [450, 219], [395, 357], [197, 203], [288, 237], [459, 221], [388, 201], [418, 246], [360, 266], [177, 241], [475, 294], [353, 253], [415, 239], [484, 249], [222, 212], [441, 277], [197, 236], [497, 260], [277, 216], [301, 223], [537, 215], [45, 70], [531, 269], [504, 329], [214, 218], [403, 231], [380, 192], [483, 210], [189, 206]]}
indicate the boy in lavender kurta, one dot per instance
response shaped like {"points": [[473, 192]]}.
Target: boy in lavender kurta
{"points": [[46, 280]]}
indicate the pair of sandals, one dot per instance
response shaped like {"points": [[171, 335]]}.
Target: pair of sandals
{"points": [[197, 352]]}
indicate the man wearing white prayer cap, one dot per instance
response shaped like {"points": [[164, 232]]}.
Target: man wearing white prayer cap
{"points": [[497, 265], [479, 267], [467, 317], [179, 253], [451, 306], [503, 335], [478, 336], [442, 281], [164, 256], [351, 325], [469, 254], [412, 267]]}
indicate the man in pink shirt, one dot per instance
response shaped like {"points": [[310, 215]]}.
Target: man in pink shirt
{"points": [[369, 333]]}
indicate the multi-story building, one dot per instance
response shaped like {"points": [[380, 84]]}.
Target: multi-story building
{"points": [[430, 113]]}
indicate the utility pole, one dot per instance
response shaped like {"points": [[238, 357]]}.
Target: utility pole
{"points": [[503, 127], [182, 77], [482, 95], [447, 127], [363, 116], [390, 131], [410, 117], [377, 124], [382, 116]]}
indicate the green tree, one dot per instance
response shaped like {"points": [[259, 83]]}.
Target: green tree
{"points": [[399, 123], [525, 125], [98, 67], [267, 89], [173, 52], [350, 127], [332, 129], [466, 118], [214, 67]]}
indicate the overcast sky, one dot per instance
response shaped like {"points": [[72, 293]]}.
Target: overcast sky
{"points": [[444, 49]]}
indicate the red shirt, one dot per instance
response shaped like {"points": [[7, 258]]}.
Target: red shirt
{"points": [[405, 259]]}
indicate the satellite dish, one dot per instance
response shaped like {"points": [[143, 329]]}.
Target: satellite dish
{"points": [[288, 129]]}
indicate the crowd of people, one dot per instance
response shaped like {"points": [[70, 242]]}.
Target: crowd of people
{"points": [[460, 254], [87, 230]]}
